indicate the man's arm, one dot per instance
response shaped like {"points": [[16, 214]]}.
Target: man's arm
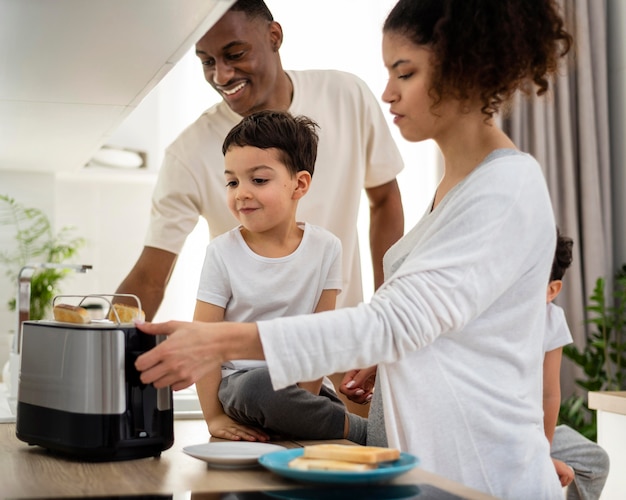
{"points": [[386, 223], [148, 279]]}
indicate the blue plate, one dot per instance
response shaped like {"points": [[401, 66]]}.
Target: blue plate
{"points": [[278, 462]]}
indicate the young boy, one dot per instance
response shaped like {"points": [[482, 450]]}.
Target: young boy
{"points": [[575, 457], [267, 267]]}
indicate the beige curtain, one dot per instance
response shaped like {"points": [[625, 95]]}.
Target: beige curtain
{"points": [[568, 133]]}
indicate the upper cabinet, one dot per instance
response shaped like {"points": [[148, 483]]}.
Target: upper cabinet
{"points": [[72, 70]]}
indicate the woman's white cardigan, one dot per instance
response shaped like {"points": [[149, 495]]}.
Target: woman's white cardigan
{"points": [[457, 332]]}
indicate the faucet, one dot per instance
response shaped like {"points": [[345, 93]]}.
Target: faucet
{"points": [[23, 313], [23, 294]]}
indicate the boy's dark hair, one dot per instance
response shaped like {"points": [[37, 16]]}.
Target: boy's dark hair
{"points": [[486, 47], [562, 256], [253, 9], [295, 138]]}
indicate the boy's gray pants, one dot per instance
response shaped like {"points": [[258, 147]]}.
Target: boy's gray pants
{"points": [[248, 398], [588, 459]]}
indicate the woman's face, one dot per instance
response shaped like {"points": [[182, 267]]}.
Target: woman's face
{"points": [[410, 70]]}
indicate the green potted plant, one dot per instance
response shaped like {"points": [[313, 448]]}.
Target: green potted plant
{"points": [[603, 358], [35, 242]]}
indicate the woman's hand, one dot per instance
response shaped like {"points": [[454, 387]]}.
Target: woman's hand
{"points": [[226, 428], [358, 385], [192, 350], [179, 361]]}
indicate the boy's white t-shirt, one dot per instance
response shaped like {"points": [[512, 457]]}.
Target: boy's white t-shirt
{"points": [[251, 287], [557, 331]]}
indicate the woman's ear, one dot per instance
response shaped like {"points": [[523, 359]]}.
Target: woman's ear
{"points": [[554, 288], [303, 182]]}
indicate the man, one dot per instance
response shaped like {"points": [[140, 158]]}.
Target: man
{"points": [[242, 63]]}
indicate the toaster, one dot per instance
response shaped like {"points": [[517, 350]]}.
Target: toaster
{"points": [[79, 392]]}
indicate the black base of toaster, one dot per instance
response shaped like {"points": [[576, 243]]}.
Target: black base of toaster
{"points": [[93, 437]]}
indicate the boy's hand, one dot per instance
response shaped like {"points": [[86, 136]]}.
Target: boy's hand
{"points": [[225, 427], [564, 471]]}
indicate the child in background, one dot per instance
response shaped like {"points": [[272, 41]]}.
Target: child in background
{"points": [[574, 456], [268, 267]]}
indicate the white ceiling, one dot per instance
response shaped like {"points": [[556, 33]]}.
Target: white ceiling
{"points": [[72, 70]]}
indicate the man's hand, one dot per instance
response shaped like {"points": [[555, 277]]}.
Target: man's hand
{"points": [[358, 385]]}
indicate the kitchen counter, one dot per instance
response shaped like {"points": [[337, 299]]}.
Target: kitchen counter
{"points": [[32, 472]]}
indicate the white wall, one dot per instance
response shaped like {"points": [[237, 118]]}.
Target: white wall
{"points": [[30, 191]]}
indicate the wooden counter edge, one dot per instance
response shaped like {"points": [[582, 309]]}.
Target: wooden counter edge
{"points": [[611, 401]]}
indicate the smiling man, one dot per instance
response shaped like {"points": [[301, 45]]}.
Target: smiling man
{"points": [[241, 61]]}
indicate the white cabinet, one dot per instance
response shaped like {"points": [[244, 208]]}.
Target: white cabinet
{"points": [[611, 408]]}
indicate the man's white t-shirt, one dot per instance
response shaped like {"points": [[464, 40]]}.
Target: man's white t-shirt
{"points": [[355, 151]]}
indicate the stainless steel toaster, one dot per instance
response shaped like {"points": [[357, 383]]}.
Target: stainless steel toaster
{"points": [[79, 393]]}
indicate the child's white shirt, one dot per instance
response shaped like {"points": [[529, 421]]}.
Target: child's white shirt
{"points": [[557, 331], [251, 287]]}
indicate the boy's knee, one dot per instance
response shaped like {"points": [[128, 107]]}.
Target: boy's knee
{"points": [[250, 388], [603, 462]]}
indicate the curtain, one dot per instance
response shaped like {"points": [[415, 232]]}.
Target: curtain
{"points": [[567, 131]]}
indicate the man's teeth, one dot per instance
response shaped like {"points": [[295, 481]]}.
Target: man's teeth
{"points": [[234, 89]]}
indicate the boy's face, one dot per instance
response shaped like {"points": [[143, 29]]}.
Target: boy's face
{"points": [[261, 192]]}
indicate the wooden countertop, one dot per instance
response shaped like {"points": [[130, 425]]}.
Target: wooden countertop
{"points": [[612, 401], [31, 472]]}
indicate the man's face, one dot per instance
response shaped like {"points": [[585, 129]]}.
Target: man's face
{"points": [[240, 60]]}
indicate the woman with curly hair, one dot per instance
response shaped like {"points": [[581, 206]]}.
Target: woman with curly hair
{"points": [[457, 327]]}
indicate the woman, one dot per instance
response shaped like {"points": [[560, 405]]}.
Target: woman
{"points": [[456, 329]]}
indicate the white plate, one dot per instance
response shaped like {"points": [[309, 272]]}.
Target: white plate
{"points": [[233, 454]]}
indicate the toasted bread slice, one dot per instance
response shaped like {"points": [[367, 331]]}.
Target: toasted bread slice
{"points": [[67, 313], [349, 453], [126, 313], [303, 463]]}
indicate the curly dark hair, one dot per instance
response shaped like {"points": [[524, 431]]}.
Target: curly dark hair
{"points": [[294, 137], [490, 48], [562, 256]]}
